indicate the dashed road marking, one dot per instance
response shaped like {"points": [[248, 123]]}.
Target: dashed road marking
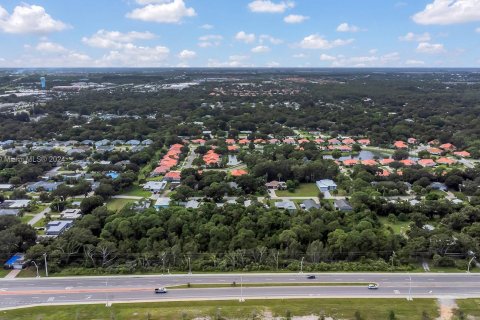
{"points": [[396, 291], [50, 299]]}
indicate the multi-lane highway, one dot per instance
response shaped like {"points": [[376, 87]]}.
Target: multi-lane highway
{"points": [[23, 292]]}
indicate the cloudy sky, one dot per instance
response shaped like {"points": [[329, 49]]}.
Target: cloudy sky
{"points": [[240, 33]]}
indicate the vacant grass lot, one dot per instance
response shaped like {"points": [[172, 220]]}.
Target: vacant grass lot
{"points": [[118, 204], [303, 190], [368, 309], [398, 227], [137, 191]]}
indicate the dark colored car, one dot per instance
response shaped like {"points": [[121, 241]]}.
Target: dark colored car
{"points": [[311, 277]]}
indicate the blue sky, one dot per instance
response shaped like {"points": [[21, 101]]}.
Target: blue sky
{"points": [[240, 33]]}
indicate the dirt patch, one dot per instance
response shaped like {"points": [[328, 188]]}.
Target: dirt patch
{"points": [[447, 306]]}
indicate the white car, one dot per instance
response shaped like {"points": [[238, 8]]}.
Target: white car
{"points": [[373, 286], [160, 290]]}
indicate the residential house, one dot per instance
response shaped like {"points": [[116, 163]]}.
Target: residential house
{"points": [[70, 214], [287, 205], [276, 185], [342, 205], [364, 142], [57, 227], [448, 147], [309, 204], [155, 186], [326, 185], [462, 154], [43, 185], [427, 163], [162, 203], [438, 186], [400, 145], [133, 142], [173, 176], [447, 161]]}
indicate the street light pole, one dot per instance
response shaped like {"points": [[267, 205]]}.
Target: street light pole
{"points": [[241, 289], [189, 266], [36, 266], [301, 265], [46, 265], [470, 262], [410, 288]]}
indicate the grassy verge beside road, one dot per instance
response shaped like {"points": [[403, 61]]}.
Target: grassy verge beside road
{"points": [[367, 309]]}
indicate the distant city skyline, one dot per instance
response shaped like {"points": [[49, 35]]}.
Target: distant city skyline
{"points": [[243, 33]]}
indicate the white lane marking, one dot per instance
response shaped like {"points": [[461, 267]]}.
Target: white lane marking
{"points": [[269, 279], [396, 291], [3, 289], [50, 299], [291, 279], [430, 291], [68, 288], [361, 279], [222, 280], [88, 297], [338, 279]]}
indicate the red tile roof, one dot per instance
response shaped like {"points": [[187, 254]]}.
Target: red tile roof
{"points": [[463, 154], [400, 145], [238, 172]]}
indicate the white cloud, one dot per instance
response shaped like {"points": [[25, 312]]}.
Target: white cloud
{"points": [[115, 39], [477, 30], [210, 40], [410, 36], [345, 27], [234, 61], [295, 18], [315, 41], [373, 51], [326, 57], [265, 37], [413, 62], [29, 19], [135, 56], [272, 64], [245, 37], [388, 59], [267, 6], [444, 12], [431, 48], [162, 12], [51, 47], [206, 26], [300, 56], [187, 54], [260, 49]]}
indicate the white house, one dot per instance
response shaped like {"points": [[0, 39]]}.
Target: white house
{"points": [[326, 185]]}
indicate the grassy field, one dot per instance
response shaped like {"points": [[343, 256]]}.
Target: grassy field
{"points": [[398, 227], [368, 309], [137, 191], [470, 307], [26, 217], [303, 190], [118, 204]]}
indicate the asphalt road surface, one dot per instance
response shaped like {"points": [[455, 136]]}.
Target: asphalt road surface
{"points": [[44, 291]]}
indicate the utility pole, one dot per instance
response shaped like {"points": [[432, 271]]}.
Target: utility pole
{"points": [[46, 265], [189, 266], [301, 265]]}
